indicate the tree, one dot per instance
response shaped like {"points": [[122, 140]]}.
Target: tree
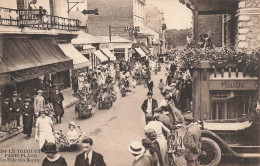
{"points": [[177, 38]]}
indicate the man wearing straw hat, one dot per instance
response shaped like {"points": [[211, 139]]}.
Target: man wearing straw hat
{"points": [[137, 150], [38, 103]]}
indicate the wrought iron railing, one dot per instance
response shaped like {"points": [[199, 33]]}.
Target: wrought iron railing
{"points": [[10, 17]]}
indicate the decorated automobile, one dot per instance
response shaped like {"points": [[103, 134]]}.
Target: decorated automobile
{"points": [[236, 137]]}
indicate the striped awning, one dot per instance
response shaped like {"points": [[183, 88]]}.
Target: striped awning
{"points": [[100, 56], [109, 54], [79, 61], [140, 52]]}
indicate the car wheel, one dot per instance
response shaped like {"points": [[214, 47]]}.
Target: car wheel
{"points": [[210, 152]]}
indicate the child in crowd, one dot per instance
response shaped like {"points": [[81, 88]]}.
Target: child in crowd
{"points": [[161, 85], [72, 134]]}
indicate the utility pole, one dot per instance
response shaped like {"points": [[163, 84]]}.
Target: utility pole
{"points": [[110, 33]]}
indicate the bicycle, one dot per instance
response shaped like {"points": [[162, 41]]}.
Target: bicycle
{"points": [[174, 145]]}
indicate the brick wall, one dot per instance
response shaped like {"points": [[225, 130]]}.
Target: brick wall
{"points": [[111, 12], [211, 25]]}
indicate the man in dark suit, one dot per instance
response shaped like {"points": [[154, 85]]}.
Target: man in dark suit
{"points": [[150, 85], [89, 157], [28, 114], [149, 104]]}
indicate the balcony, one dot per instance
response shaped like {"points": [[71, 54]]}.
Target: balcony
{"points": [[36, 19]]}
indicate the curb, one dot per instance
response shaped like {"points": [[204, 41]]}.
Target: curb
{"points": [[70, 104], [8, 136]]}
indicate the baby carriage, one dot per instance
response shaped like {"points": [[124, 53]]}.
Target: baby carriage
{"points": [[64, 144]]}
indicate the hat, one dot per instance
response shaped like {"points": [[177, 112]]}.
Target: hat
{"points": [[147, 143], [15, 91], [50, 148], [158, 109], [188, 117], [6, 100], [167, 88], [72, 124], [27, 100], [40, 91], [42, 112], [173, 85], [149, 93], [57, 88], [136, 147], [151, 134], [168, 96], [149, 117]]}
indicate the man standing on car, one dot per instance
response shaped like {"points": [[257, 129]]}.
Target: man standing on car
{"points": [[192, 141]]}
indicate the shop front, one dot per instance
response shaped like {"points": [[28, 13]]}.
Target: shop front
{"points": [[28, 61], [225, 94]]}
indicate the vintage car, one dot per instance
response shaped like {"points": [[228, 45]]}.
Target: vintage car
{"points": [[236, 137]]}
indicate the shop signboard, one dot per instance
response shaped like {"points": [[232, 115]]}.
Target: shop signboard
{"points": [[233, 84], [30, 17], [5, 79]]}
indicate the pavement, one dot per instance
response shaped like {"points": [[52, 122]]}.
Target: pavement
{"points": [[69, 100]]}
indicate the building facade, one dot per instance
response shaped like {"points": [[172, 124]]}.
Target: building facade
{"points": [[154, 20], [226, 93], [30, 32]]}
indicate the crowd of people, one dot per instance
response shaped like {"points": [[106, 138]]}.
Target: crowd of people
{"points": [[29, 107], [162, 118]]}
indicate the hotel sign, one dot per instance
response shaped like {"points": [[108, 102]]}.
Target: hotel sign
{"points": [[29, 17], [5, 79], [233, 85]]}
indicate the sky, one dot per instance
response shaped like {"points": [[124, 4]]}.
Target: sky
{"points": [[177, 15]]}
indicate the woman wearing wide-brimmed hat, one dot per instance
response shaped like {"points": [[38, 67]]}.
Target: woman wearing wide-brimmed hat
{"points": [[52, 157]]}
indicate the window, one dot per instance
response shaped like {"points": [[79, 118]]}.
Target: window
{"points": [[119, 53], [231, 104]]}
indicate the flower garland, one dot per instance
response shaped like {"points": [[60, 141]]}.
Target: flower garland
{"points": [[218, 58]]}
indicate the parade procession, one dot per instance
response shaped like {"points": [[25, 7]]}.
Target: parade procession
{"points": [[129, 82]]}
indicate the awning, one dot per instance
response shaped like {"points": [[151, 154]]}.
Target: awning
{"points": [[101, 56], [108, 53], [140, 52], [28, 57], [145, 49], [86, 47], [79, 61], [85, 38]]}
